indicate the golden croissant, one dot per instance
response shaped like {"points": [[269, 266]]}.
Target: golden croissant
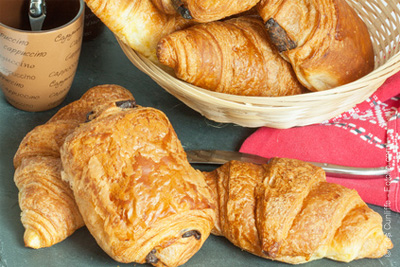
{"points": [[231, 56], [138, 23], [49, 212], [286, 211], [205, 10], [326, 42], [136, 191], [170, 7]]}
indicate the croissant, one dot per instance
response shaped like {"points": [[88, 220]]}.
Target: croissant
{"points": [[231, 56], [170, 7], [136, 191], [49, 212], [286, 211], [205, 11], [326, 42], [138, 23]]}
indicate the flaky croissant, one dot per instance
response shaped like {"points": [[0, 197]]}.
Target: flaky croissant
{"points": [[170, 7], [205, 10], [49, 212], [286, 211], [138, 23], [326, 42], [231, 56], [136, 191]]}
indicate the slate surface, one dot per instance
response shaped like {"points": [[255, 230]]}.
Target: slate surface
{"points": [[103, 62]]}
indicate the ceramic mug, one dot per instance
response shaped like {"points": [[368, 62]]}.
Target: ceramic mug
{"points": [[37, 68]]}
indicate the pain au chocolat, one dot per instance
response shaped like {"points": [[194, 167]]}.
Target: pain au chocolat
{"points": [[138, 195], [326, 41]]}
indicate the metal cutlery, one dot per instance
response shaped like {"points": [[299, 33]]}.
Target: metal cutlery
{"points": [[37, 14], [220, 157]]}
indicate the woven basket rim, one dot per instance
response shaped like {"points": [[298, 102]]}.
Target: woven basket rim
{"points": [[386, 70], [294, 110]]}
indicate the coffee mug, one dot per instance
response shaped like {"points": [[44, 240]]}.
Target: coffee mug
{"points": [[37, 68]]}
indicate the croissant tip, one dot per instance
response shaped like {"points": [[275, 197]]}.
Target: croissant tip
{"points": [[165, 53], [272, 251], [32, 239]]}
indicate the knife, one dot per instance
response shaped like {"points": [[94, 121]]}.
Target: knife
{"points": [[220, 157]]}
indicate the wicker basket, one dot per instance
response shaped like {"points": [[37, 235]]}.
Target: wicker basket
{"points": [[383, 20]]}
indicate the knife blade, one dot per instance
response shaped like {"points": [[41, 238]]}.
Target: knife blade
{"points": [[220, 157]]}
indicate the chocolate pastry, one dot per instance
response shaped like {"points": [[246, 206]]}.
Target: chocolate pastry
{"points": [[326, 42], [138, 195]]}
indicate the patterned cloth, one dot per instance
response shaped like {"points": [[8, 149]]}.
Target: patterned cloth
{"points": [[365, 136]]}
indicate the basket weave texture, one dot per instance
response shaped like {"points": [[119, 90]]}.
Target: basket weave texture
{"points": [[383, 21]]}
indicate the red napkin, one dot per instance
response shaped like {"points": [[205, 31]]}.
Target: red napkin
{"points": [[368, 135]]}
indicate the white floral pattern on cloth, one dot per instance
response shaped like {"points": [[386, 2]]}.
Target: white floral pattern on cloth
{"points": [[378, 115], [384, 113]]}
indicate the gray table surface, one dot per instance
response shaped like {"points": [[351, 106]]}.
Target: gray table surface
{"points": [[103, 62]]}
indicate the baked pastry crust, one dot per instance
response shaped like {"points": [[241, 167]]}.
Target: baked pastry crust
{"points": [[137, 193], [49, 212], [167, 6], [326, 42], [286, 211], [205, 10], [138, 23], [231, 56]]}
